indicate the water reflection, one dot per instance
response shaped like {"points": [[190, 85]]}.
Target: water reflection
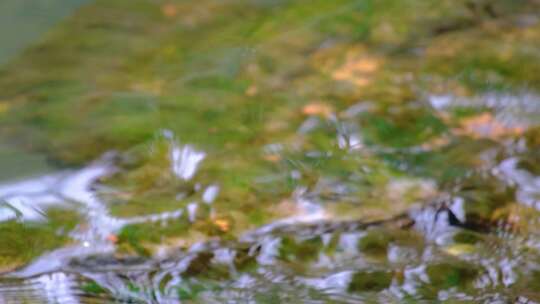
{"points": [[520, 110], [329, 172], [49, 288], [219, 271], [433, 249], [184, 161], [528, 185], [28, 200]]}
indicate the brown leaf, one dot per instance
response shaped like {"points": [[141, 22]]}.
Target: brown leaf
{"points": [[318, 108], [223, 224], [274, 158], [112, 238], [251, 91], [357, 70], [169, 10]]}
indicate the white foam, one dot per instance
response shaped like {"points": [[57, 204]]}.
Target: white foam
{"points": [[185, 160], [210, 194]]}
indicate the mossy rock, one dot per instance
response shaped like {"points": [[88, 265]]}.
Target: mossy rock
{"points": [[375, 242], [370, 281], [23, 241], [300, 250], [446, 275], [467, 237]]}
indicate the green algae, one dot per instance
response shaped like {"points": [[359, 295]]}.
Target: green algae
{"points": [[131, 96], [92, 288], [22, 242], [447, 275], [374, 281], [236, 80]]}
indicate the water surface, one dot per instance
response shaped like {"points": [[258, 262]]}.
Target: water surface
{"points": [[272, 151]]}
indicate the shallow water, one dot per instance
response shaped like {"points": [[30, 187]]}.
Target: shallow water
{"points": [[336, 152], [23, 22]]}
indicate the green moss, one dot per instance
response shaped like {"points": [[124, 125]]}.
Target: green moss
{"points": [[413, 127], [370, 281], [191, 292], [22, 241], [118, 82], [305, 250], [139, 237], [447, 275], [375, 242], [467, 237], [92, 288], [145, 205], [232, 77]]}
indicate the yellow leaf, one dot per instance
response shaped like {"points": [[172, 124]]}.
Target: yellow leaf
{"points": [[3, 107], [459, 249], [222, 224]]}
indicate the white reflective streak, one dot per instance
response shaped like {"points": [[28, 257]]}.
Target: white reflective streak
{"points": [[210, 194], [47, 288], [528, 185], [26, 199], [185, 160]]}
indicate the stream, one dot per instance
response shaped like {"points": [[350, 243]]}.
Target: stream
{"points": [[268, 151]]}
